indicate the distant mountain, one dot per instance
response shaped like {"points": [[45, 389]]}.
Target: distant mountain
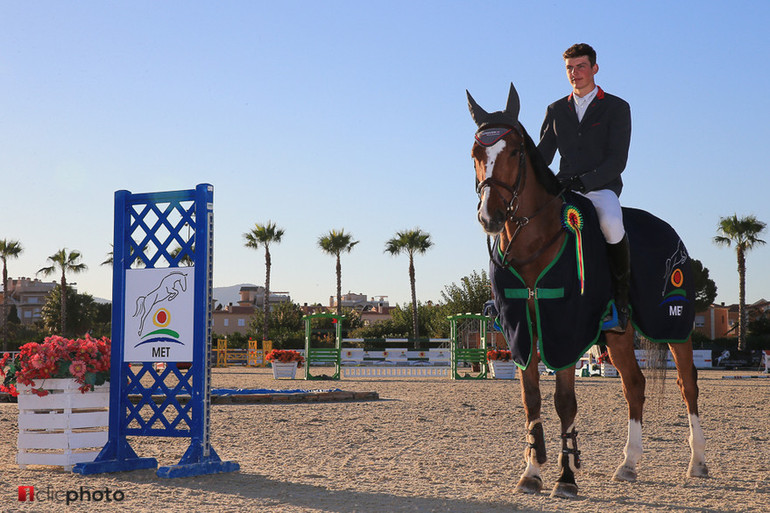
{"points": [[231, 294]]}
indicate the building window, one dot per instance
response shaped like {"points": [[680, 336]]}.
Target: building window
{"points": [[700, 321], [227, 322], [241, 322]]}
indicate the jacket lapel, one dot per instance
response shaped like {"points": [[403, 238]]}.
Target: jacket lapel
{"points": [[594, 108], [569, 106]]}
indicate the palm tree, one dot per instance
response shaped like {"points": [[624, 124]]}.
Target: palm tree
{"points": [[410, 242], [744, 232], [8, 249], [111, 257], [64, 262], [334, 243], [186, 260], [264, 235]]}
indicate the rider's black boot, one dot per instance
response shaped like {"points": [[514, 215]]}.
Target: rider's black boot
{"points": [[620, 270]]}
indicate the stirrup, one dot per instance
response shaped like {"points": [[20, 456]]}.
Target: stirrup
{"points": [[611, 321]]}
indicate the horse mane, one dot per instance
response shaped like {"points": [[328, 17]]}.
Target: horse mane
{"points": [[543, 173]]}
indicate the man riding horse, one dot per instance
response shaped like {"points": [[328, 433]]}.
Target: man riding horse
{"points": [[550, 272], [592, 131]]}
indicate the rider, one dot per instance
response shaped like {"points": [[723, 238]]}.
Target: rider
{"points": [[592, 131]]}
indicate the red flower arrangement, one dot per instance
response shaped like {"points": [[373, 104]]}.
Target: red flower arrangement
{"points": [[86, 360], [284, 356], [501, 354]]}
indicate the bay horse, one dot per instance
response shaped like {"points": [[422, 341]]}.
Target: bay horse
{"points": [[522, 207]]}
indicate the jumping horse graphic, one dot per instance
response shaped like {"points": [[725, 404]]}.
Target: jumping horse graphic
{"points": [[168, 289]]}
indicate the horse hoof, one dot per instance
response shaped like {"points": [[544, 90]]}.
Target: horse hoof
{"points": [[564, 491], [529, 485], [698, 470], [624, 473]]}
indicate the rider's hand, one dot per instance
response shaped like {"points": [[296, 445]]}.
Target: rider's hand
{"points": [[573, 183]]}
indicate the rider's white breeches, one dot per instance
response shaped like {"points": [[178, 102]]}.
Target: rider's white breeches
{"points": [[607, 205]]}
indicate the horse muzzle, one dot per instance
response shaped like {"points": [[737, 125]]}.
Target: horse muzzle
{"points": [[492, 220]]}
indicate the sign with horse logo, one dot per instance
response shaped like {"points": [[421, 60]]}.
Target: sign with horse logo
{"points": [[159, 315]]}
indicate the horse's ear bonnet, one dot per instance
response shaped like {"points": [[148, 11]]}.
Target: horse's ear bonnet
{"points": [[508, 117]]}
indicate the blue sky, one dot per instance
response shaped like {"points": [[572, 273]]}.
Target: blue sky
{"points": [[341, 114]]}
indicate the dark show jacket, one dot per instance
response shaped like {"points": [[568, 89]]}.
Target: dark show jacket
{"points": [[596, 148]]}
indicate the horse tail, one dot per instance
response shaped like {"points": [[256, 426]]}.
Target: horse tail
{"points": [[655, 372], [139, 305]]}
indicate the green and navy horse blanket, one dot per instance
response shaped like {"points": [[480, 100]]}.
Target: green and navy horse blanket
{"points": [[573, 293]]}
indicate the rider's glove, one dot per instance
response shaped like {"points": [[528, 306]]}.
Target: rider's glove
{"points": [[573, 183]]}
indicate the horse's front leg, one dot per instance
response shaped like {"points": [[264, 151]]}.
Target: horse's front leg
{"points": [[687, 379], [621, 350], [569, 458], [531, 480]]}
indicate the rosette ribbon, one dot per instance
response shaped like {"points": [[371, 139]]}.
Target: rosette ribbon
{"points": [[572, 220]]}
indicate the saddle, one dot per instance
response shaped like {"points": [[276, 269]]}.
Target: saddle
{"points": [[573, 294]]}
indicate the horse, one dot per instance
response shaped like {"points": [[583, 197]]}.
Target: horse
{"points": [[169, 288], [522, 208]]}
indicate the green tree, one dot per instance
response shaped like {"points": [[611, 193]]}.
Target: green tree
{"points": [[13, 315], [8, 249], [287, 328], [432, 320], [410, 242], [263, 235], [20, 334], [744, 233], [469, 295], [82, 313], [335, 243], [65, 262], [705, 288], [102, 322], [760, 326]]}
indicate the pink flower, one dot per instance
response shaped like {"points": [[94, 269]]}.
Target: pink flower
{"points": [[78, 368], [57, 357], [37, 361]]}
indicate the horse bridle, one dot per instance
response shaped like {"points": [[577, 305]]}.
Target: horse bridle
{"points": [[513, 207]]}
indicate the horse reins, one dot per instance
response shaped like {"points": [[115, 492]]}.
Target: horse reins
{"points": [[513, 208]]}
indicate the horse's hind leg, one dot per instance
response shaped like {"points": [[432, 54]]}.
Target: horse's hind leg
{"points": [[687, 379], [569, 458], [531, 480], [621, 350]]}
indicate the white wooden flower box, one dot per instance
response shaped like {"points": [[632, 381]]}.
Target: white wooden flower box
{"points": [[609, 371], [64, 427], [284, 370], [502, 370]]}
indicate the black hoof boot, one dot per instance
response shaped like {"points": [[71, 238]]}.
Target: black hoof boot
{"points": [[569, 461]]}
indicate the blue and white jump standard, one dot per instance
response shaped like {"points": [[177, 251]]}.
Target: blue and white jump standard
{"points": [[161, 312]]}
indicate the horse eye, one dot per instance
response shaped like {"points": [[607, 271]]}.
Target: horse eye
{"points": [[514, 152]]}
